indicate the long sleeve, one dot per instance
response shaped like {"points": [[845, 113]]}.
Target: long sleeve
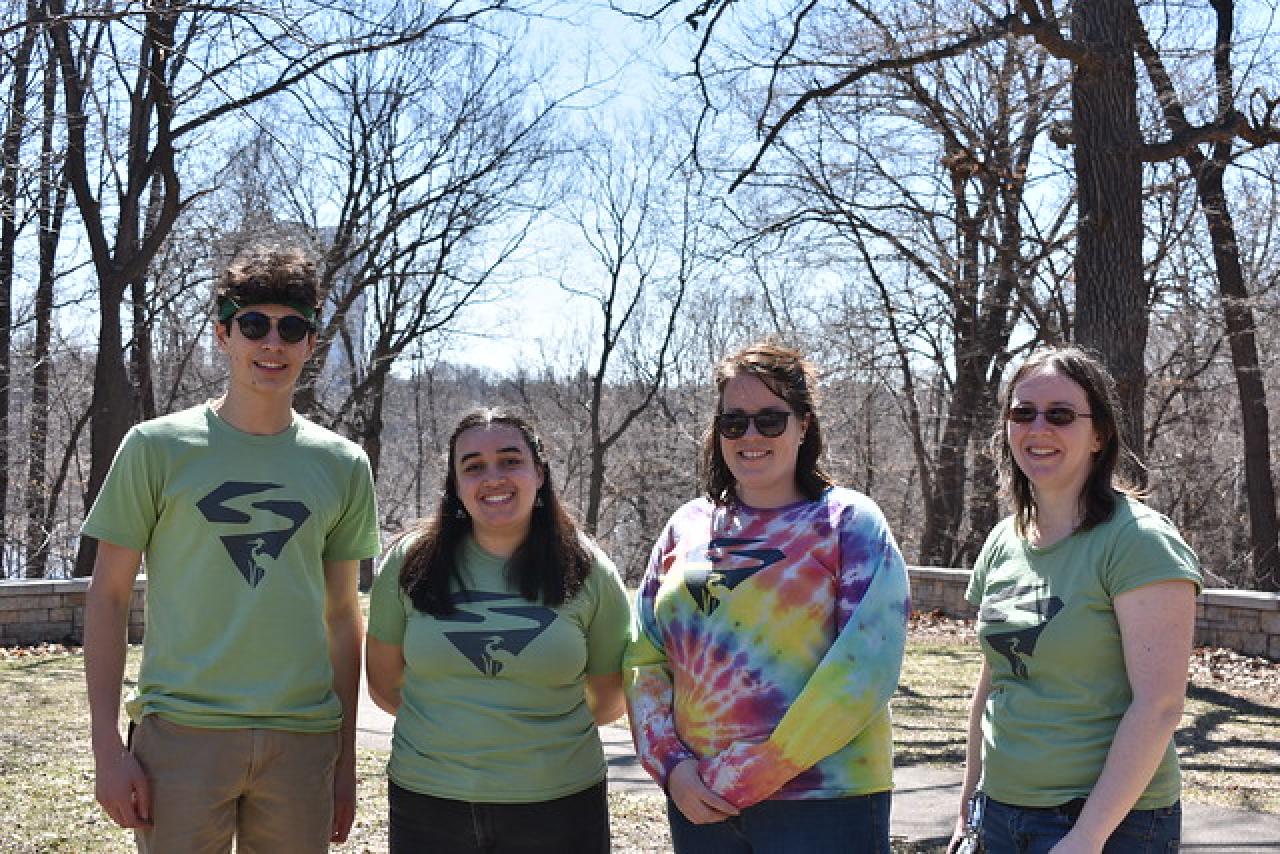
{"points": [[648, 681], [852, 684]]}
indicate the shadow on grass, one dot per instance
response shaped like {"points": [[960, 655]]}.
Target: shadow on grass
{"points": [[1206, 733], [50, 663], [920, 754], [920, 846]]}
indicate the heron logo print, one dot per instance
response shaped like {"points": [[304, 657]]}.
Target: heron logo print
{"points": [[725, 562], [1028, 609], [491, 642], [248, 551]]}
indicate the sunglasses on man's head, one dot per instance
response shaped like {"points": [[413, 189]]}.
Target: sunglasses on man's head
{"points": [[255, 325], [1058, 416], [771, 423]]}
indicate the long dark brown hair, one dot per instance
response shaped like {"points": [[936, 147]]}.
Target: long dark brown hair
{"points": [[1098, 497], [549, 567], [789, 375]]}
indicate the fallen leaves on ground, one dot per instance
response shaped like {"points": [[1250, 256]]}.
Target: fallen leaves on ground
{"points": [[1235, 672], [37, 651]]}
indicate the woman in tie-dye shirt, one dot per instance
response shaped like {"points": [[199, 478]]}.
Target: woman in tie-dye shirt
{"points": [[769, 635]]}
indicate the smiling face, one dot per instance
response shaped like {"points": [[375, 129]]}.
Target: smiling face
{"points": [[268, 366], [1056, 460], [763, 468], [497, 480]]}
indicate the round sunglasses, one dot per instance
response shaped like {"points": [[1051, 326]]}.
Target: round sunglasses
{"points": [[292, 328], [1058, 416], [771, 423]]}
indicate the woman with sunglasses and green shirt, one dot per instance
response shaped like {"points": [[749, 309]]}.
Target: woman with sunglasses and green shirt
{"points": [[1087, 611], [769, 635]]}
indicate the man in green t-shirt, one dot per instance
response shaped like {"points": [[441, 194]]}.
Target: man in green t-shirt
{"points": [[252, 521]]}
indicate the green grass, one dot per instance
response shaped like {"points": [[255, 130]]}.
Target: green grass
{"points": [[1229, 746], [931, 708], [1230, 753]]}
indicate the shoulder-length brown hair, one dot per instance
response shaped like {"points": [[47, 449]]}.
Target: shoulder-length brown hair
{"points": [[549, 567], [789, 375], [1098, 496]]}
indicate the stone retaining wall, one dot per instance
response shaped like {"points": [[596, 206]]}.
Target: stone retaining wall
{"points": [[40, 611], [1243, 620]]}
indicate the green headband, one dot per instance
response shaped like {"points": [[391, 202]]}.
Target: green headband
{"points": [[227, 308]]}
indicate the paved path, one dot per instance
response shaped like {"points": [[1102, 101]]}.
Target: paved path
{"points": [[924, 798]]}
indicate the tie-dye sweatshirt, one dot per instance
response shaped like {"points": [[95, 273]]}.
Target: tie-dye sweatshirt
{"points": [[767, 644]]}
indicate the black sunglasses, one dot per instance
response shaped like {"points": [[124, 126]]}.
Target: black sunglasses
{"points": [[1058, 416], [255, 325], [771, 423]]}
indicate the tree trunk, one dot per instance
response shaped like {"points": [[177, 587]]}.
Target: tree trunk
{"points": [[984, 503], [53, 203], [944, 504], [1111, 294], [140, 350], [15, 124], [371, 440], [595, 476], [140, 353], [1241, 335], [111, 408], [38, 525]]}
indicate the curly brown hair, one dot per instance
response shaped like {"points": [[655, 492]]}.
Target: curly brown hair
{"points": [[271, 274]]}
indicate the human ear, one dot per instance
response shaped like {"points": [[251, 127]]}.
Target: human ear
{"points": [[220, 335]]}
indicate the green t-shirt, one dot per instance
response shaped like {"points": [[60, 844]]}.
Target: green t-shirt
{"points": [[493, 707], [1050, 637], [234, 529]]}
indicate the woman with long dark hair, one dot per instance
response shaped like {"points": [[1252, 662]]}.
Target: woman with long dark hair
{"points": [[769, 635], [1087, 611], [496, 632]]}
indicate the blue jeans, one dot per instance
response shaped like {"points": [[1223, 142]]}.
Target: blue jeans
{"points": [[1008, 829], [574, 824], [857, 825]]}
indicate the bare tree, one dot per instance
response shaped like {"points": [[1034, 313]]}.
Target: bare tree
{"points": [[917, 184], [435, 160], [1209, 173], [41, 501], [156, 76], [1111, 297], [10, 150], [160, 74], [643, 224]]}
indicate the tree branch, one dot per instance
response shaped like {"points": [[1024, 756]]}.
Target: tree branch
{"points": [[982, 36]]}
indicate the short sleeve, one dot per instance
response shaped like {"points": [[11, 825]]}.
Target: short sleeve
{"points": [[128, 505], [978, 578], [354, 536], [1149, 550], [608, 632], [388, 604]]}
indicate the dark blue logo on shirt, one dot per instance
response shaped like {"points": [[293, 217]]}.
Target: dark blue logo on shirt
{"points": [[248, 550], [997, 608], [489, 648], [717, 568]]}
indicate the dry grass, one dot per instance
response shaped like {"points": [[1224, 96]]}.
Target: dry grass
{"points": [[1228, 742]]}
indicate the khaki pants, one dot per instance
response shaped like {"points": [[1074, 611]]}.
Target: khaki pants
{"points": [[270, 790]]}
